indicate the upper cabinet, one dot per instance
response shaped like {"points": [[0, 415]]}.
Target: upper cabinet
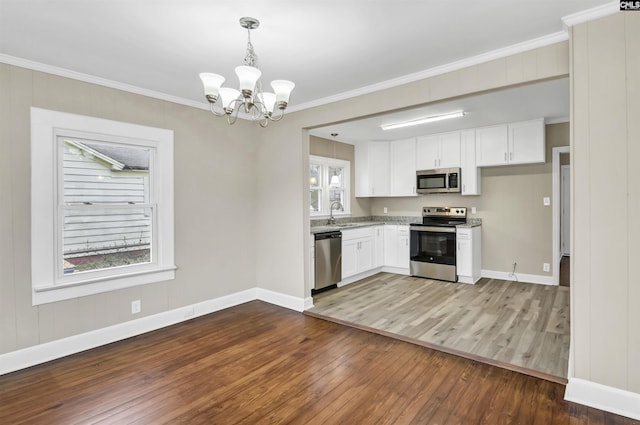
{"points": [[470, 173], [438, 151], [515, 143], [372, 169], [403, 167], [386, 169]]}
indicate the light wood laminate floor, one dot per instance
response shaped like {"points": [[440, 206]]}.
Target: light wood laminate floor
{"points": [[520, 326]]}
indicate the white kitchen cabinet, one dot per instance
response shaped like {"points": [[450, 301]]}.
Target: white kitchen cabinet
{"points": [[492, 145], [527, 142], [372, 169], [396, 246], [438, 151], [378, 246], [515, 143], [468, 254], [403, 167], [357, 251], [470, 172]]}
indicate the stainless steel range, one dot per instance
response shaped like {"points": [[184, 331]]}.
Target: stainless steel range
{"points": [[433, 243]]}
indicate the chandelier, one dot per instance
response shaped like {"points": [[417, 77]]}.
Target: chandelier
{"points": [[250, 98]]}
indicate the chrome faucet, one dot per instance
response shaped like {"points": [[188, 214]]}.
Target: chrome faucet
{"points": [[332, 219]]}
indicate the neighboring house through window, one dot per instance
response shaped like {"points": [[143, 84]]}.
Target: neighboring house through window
{"points": [[102, 205], [329, 186]]}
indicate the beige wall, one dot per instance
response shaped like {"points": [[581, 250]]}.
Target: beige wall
{"points": [[516, 227], [360, 207], [215, 204], [605, 59]]}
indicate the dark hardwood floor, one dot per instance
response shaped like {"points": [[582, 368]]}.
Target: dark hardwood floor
{"points": [[261, 364]]}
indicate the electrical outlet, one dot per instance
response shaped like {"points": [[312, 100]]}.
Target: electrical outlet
{"points": [[384, 210], [546, 267], [546, 201], [473, 210], [135, 307]]}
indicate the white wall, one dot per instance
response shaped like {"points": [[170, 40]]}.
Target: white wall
{"points": [[605, 265]]}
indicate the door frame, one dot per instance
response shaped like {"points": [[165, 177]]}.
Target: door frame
{"points": [[556, 254]]}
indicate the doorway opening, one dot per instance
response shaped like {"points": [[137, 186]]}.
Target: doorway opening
{"points": [[561, 164]]}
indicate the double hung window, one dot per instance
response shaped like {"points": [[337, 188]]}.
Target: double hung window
{"points": [[102, 205], [329, 186]]}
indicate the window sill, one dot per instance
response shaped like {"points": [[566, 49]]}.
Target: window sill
{"points": [[60, 292]]}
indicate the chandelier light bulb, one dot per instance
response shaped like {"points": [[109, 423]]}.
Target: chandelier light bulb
{"points": [[248, 77], [211, 83], [269, 100], [228, 95], [283, 89]]}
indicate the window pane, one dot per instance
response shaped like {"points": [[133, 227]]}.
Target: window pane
{"points": [[95, 238], [315, 171], [103, 174], [335, 176], [337, 196], [315, 200]]}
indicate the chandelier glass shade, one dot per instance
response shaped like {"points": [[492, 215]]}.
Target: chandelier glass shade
{"points": [[259, 105]]}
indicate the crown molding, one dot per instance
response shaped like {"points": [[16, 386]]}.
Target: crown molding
{"points": [[87, 78], [591, 14], [438, 70]]}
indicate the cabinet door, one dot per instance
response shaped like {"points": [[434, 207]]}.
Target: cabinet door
{"points": [[463, 257], [449, 150], [390, 244], [526, 142], [378, 246], [379, 168], [403, 167], [402, 248], [361, 158], [470, 173], [427, 152], [349, 258], [365, 254], [491, 145]]}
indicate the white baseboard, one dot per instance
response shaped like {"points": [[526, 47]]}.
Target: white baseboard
{"points": [[282, 300], [41, 353], [396, 270], [614, 400], [520, 277]]}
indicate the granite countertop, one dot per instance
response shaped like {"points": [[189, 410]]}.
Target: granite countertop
{"points": [[319, 226]]}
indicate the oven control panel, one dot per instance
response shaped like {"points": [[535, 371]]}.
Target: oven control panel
{"points": [[458, 212]]}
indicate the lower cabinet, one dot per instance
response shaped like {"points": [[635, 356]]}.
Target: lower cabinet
{"points": [[357, 251], [396, 246], [468, 254]]}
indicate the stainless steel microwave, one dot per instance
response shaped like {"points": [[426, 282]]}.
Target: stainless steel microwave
{"points": [[443, 180]]}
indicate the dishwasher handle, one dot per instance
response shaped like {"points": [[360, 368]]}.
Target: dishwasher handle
{"points": [[328, 235]]}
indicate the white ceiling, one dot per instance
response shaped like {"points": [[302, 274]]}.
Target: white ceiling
{"points": [[548, 100], [328, 48]]}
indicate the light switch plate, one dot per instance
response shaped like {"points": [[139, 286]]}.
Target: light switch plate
{"points": [[546, 201], [473, 210]]}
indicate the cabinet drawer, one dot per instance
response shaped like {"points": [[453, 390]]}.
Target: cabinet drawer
{"points": [[361, 232], [463, 233]]}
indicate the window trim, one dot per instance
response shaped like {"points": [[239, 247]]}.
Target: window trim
{"points": [[327, 162], [46, 230]]}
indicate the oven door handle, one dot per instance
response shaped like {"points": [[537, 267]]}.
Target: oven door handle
{"points": [[433, 229]]}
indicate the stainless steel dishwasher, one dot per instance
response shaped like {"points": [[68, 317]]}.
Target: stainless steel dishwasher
{"points": [[328, 259]]}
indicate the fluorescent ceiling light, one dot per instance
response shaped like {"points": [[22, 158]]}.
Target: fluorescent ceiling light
{"points": [[423, 120]]}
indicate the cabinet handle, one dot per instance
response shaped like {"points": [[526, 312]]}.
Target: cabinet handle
{"points": [[510, 156], [463, 188], [505, 156]]}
